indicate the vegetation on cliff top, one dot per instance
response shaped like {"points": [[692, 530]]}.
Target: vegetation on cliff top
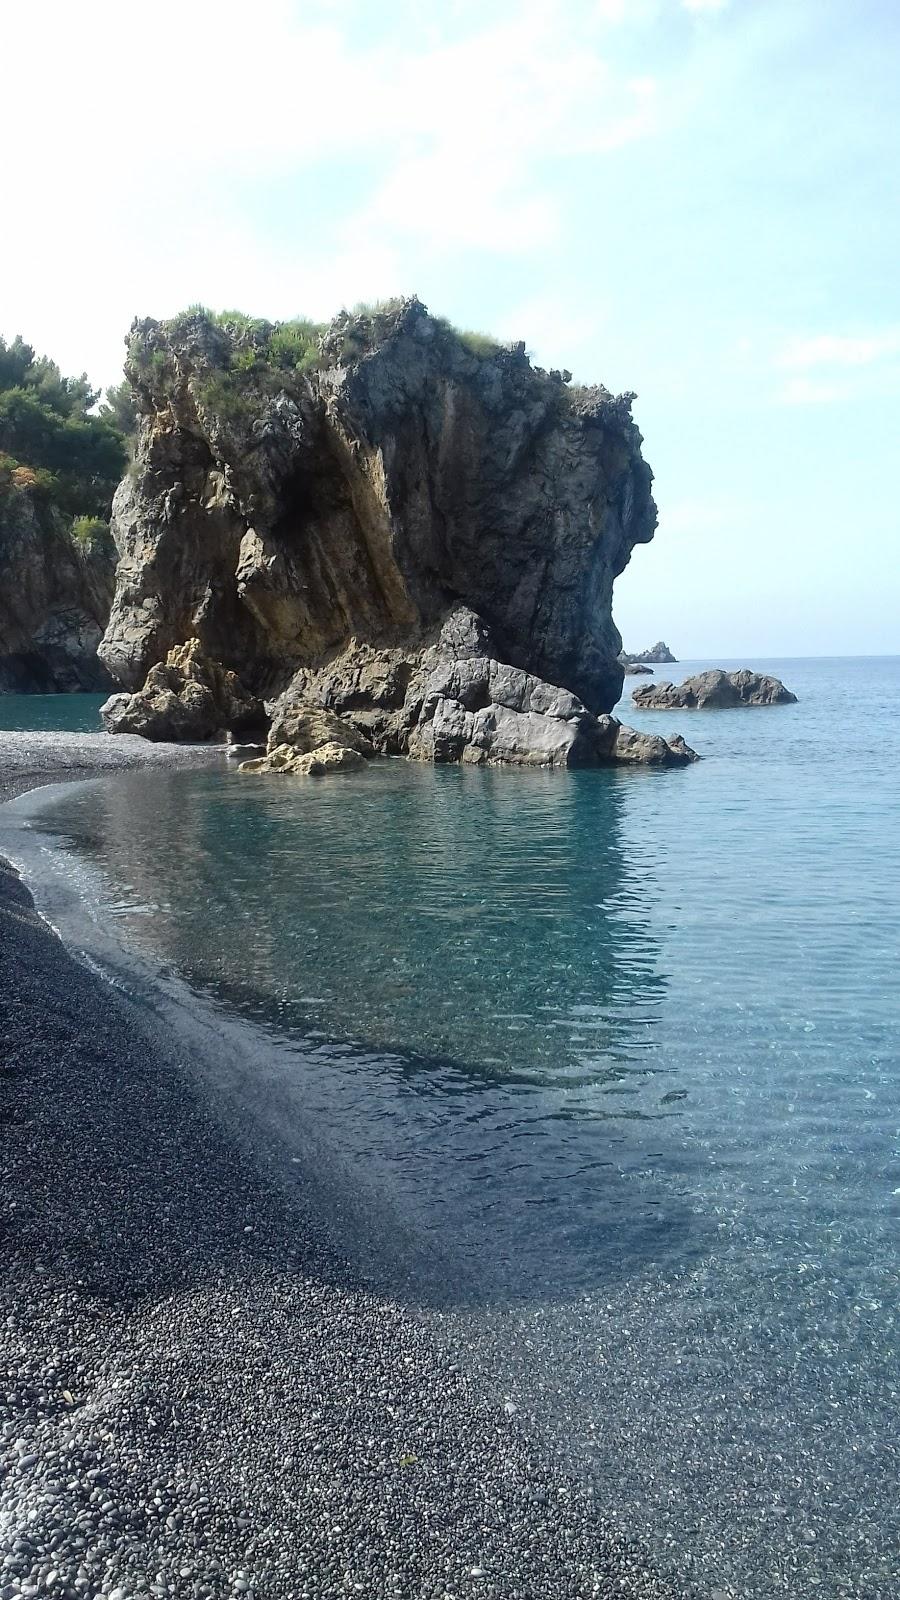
{"points": [[247, 358], [236, 363], [53, 443], [302, 344]]}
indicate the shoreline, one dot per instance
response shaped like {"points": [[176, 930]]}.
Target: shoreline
{"points": [[28, 760], [203, 1399]]}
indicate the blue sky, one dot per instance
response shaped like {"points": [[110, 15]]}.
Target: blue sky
{"points": [[694, 199]]}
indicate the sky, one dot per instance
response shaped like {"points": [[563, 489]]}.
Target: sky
{"points": [[693, 199]]}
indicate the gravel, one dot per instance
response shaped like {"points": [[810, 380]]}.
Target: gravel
{"points": [[28, 759], [196, 1397]]}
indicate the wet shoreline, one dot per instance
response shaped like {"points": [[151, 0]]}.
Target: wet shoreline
{"points": [[200, 1398]]}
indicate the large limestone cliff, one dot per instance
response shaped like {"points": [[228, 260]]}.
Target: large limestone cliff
{"points": [[55, 596], [281, 514]]}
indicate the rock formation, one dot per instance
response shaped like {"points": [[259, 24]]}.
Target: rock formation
{"points": [[434, 705], [658, 653], [185, 697], [714, 690], [404, 530], [649, 749], [635, 669], [55, 596], [328, 757]]}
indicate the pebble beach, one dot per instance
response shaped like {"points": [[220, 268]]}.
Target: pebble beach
{"points": [[197, 1398]]}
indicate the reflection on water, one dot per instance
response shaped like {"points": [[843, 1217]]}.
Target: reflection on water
{"points": [[459, 915], [611, 1060], [460, 967]]}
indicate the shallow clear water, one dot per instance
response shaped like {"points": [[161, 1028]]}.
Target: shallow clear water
{"points": [[51, 713], [618, 1054]]}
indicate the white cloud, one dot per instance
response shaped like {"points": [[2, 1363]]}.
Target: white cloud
{"points": [[441, 142], [557, 331], [533, 93], [840, 350], [704, 7], [811, 392], [616, 12], [829, 367]]}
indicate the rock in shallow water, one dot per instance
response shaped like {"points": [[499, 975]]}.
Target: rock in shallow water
{"points": [[450, 701], [306, 727], [186, 697], [714, 690], [330, 757], [651, 749]]}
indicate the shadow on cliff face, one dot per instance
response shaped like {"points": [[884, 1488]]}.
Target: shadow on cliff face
{"points": [[274, 512], [442, 1176]]}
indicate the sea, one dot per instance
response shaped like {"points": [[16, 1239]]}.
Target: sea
{"points": [[600, 1073]]}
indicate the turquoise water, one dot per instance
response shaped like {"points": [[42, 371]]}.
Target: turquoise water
{"points": [[612, 1059], [51, 713]]}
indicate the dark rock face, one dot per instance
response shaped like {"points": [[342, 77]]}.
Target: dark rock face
{"points": [[714, 690], [284, 518], [658, 653], [55, 599], [185, 697]]}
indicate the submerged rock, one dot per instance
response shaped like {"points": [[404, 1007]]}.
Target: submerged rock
{"points": [[188, 697], [715, 690], [635, 669]]}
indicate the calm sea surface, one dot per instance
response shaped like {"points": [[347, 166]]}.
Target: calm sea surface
{"points": [[51, 713], [609, 1063]]}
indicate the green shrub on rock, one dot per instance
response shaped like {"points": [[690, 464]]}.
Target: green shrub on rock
{"points": [[90, 532]]}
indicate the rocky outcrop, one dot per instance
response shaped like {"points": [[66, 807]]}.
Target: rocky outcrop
{"points": [[714, 690], [636, 669], [650, 749], [186, 697], [303, 727], [407, 544], [329, 757], [434, 705], [451, 701], [280, 513], [658, 653], [55, 596]]}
